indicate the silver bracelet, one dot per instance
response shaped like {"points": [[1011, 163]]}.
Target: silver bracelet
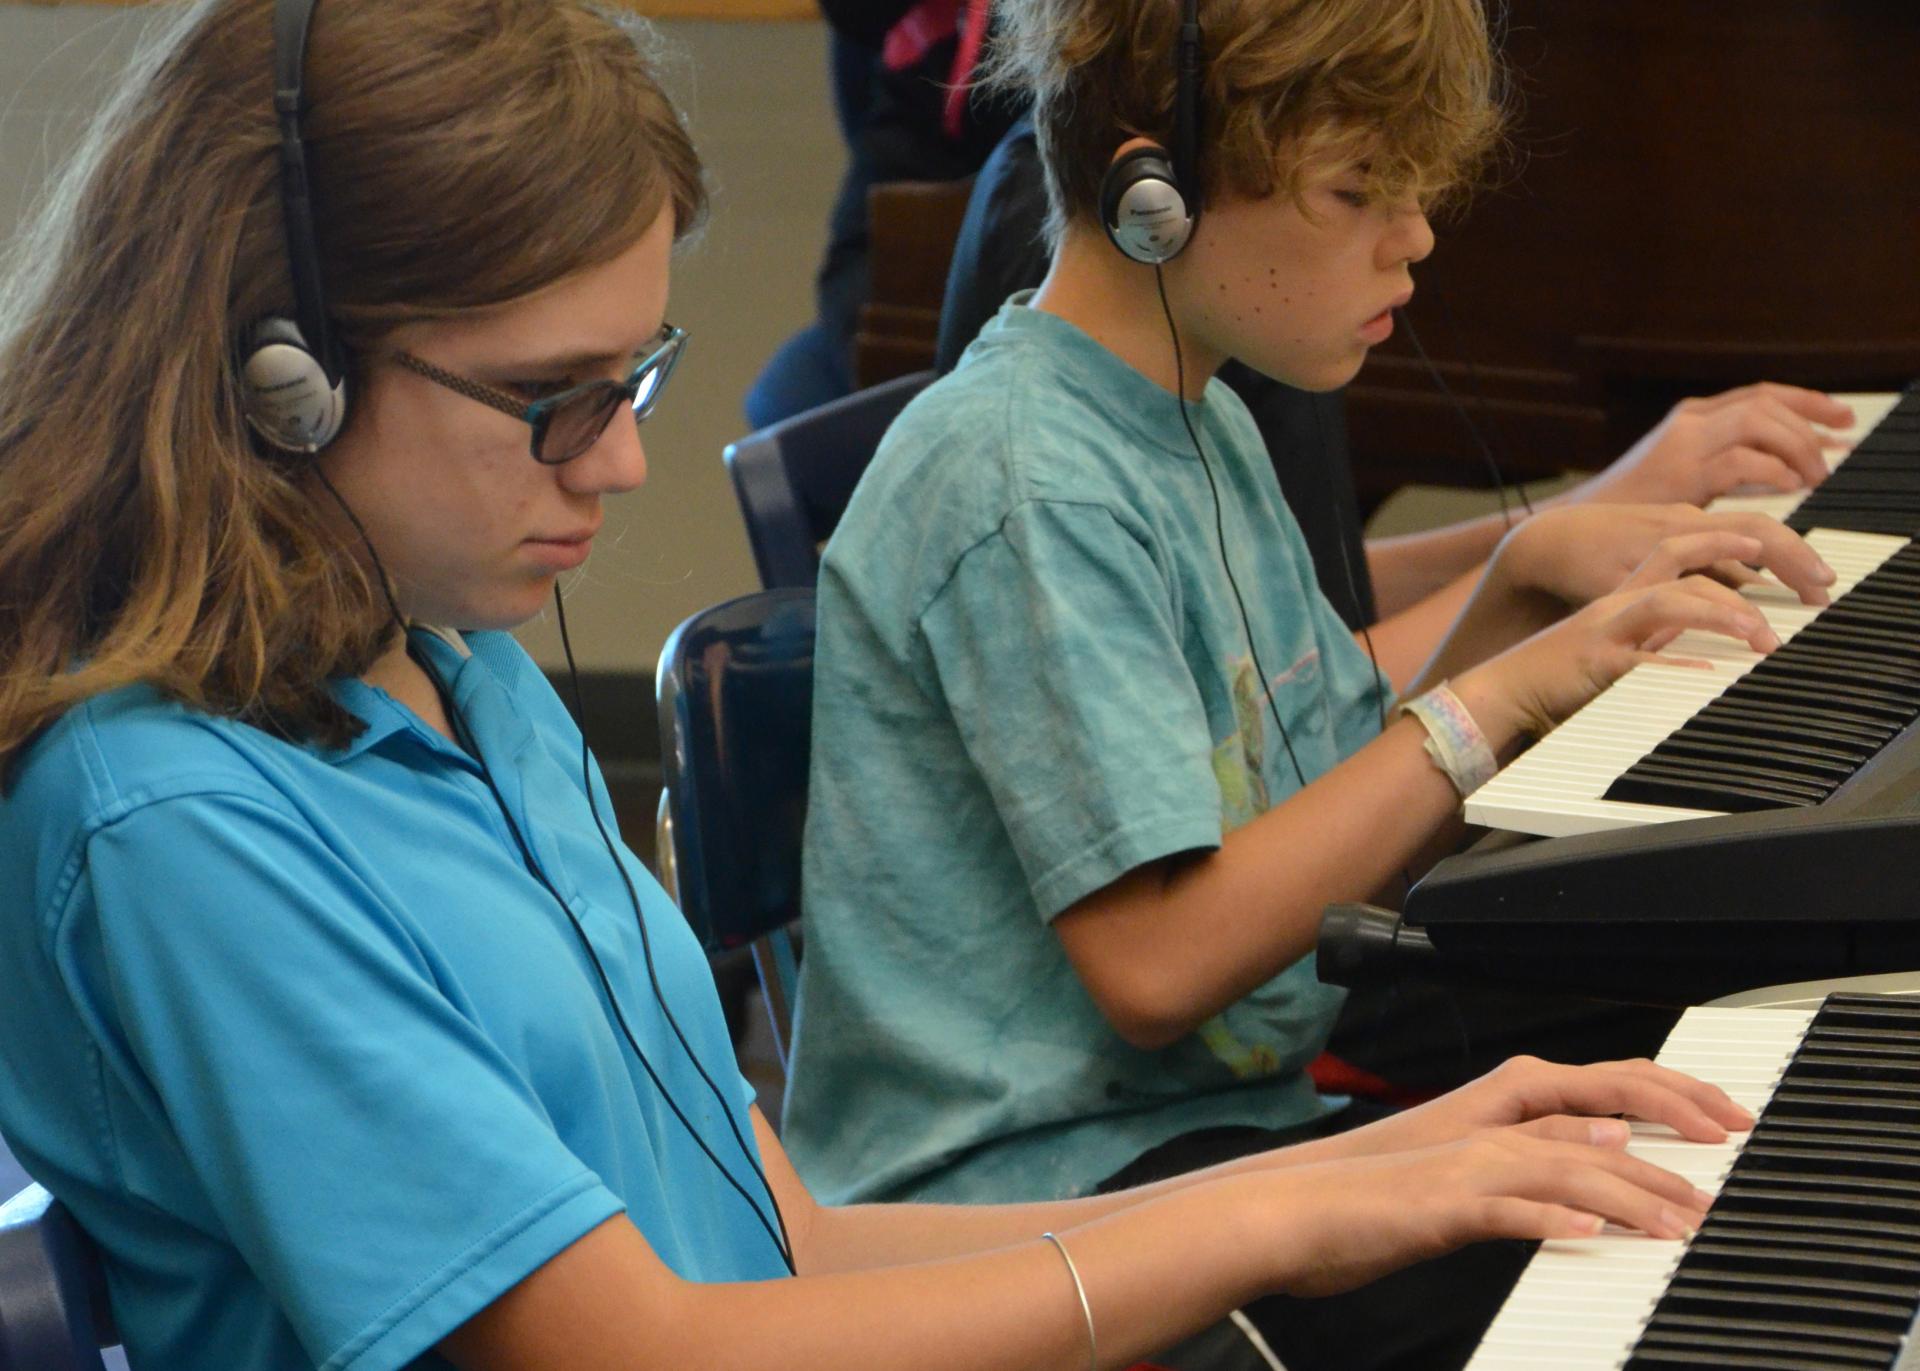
{"points": [[1086, 1309]]}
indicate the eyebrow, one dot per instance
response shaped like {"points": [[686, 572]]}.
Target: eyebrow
{"points": [[586, 357]]}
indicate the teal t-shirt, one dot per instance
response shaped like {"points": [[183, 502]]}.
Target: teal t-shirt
{"points": [[1032, 677], [303, 1045]]}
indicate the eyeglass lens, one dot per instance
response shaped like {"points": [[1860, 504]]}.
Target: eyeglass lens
{"points": [[575, 426]]}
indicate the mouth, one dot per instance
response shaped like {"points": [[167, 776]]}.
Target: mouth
{"points": [[1398, 302], [1380, 327], [562, 551]]}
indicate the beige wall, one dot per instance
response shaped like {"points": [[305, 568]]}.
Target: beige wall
{"points": [[757, 99]]}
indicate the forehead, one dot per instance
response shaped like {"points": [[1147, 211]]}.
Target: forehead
{"points": [[604, 309]]}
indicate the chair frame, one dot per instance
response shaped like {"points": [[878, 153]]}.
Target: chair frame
{"points": [[53, 1304], [682, 860], [793, 478]]}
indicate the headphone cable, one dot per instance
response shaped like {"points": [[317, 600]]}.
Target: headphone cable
{"points": [[781, 1241], [1480, 396], [1473, 429], [1219, 521]]}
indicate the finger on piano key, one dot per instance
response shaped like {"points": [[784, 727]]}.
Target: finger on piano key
{"points": [[1811, 1255]]}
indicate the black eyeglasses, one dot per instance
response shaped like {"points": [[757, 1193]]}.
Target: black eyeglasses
{"points": [[567, 424]]}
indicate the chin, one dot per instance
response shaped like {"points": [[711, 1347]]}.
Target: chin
{"points": [[1317, 376], [503, 613]]}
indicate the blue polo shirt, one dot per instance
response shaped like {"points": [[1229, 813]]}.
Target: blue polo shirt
{"points": [[308, 1050]]}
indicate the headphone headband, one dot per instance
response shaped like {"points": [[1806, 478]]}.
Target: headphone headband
{"points": [[292, 21], [1186, 105], [1150, 197], [293, 371]]}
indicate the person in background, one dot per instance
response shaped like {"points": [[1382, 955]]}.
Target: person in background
{"points": [[902, 78]]}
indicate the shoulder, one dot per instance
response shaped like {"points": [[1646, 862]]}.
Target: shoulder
{"points": [[131, 761], [128, 747], [1025, 416]]}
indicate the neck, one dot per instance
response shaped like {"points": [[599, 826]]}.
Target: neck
{"points": [[395, 672], [1116, 302]]}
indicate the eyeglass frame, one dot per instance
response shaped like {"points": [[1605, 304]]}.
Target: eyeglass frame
{"points": [[538, 414]]}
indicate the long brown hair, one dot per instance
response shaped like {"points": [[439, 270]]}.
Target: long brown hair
{"points": [[463, 153]]}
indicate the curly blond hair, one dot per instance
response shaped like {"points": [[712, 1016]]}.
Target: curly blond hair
{"points": [[1409, 89]]}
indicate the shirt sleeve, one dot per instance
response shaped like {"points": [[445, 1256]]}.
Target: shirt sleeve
{"points": [[1056, 643], [380, 1167]]}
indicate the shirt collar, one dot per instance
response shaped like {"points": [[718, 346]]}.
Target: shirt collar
{"points": [[385, 716], [1133, 400]]}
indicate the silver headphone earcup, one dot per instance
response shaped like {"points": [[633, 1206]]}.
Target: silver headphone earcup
{"points": [[285, 390], [1142, 208]]}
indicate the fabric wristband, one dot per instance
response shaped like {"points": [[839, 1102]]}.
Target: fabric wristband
{"points": [[1454, 740]]}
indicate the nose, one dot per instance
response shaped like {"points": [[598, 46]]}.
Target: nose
{"points": [[615, 464], [1412, 240]]}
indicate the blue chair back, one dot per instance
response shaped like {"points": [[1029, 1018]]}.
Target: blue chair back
{"points": [[53, 1306], [735, 694], [794, 478]]}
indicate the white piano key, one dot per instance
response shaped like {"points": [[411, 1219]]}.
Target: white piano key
{"points": [[1555, 788], [1582, 1303], [1868, 410]]}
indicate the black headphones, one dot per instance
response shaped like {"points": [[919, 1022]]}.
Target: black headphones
{"points": [[1150, 199], [293, 385]]}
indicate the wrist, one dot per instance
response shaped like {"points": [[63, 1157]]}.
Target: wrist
{"points": [[1493, 702], [1289, 1221], [1455, 743]]}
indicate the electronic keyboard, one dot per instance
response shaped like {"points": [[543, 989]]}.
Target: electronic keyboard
{"points": [[1809, 1259], [1636, 755]]}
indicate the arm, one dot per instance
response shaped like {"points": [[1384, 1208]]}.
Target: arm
{"points": [[1410, 568], [1174, 942], [1761, 435], [974, 1287]]}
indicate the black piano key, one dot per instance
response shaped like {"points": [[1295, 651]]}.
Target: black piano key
{"points": [[1817, 651], [1693, 1359], [1762, 718], [1659, 766], [1795, 1260], [1822, 1352], [1692, 753], [1738, 1230], [1889, 1109], [1706, 732], [1879, 1339], [1793, 761], [1869, 665], [1715, 797], [1890, 1315], [1850, 613], [1832, 746], [1814, 700], [1810, 1255]]}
